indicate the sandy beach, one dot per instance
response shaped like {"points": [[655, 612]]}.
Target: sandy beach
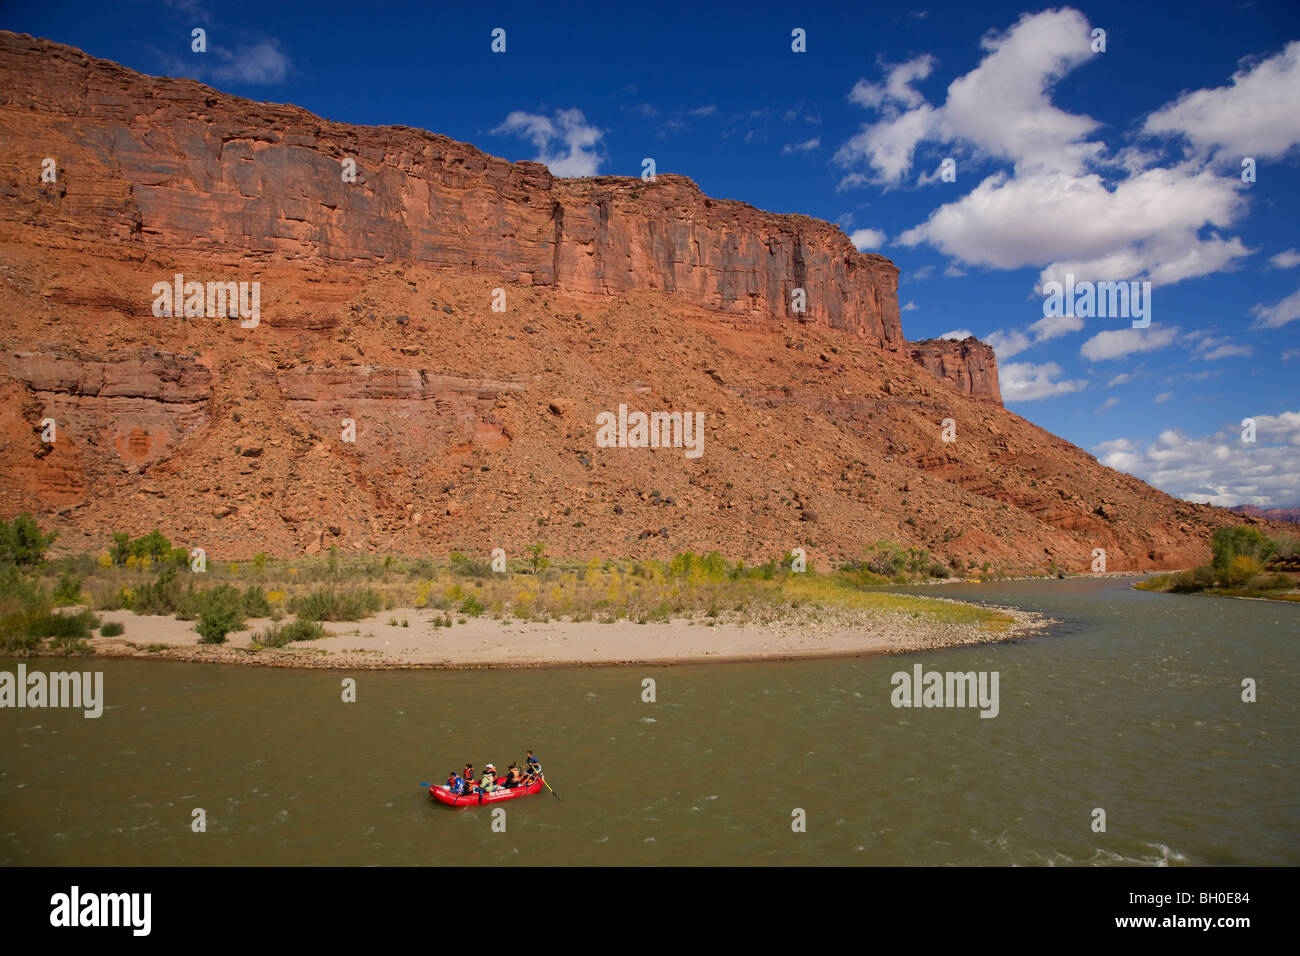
{"points": [[485, 642]]}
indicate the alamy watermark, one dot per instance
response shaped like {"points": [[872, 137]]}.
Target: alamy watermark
{"points": [[950, 689], [82, 689], [192, 300], [654, 430], [1102, 300]]}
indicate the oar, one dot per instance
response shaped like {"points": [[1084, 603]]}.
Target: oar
{"points": [[541, 774]]}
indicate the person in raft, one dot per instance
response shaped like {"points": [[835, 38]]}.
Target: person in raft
{"points": [[532, 765], [454, 782], [514, 777], [489, 781]]}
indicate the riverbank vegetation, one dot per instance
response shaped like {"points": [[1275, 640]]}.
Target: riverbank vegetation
{"points": [[300, 596], [1246, 563]]}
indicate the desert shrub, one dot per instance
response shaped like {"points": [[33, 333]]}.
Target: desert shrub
{"points": [[21, 541], [1197, 579], [1241, 570], [472, 606], [255, 603], [470, 567], [939, 570], [163, 596], [112, 629], [278, 635], [327, 604], [68, 590], [62, 628], [216, 621]]}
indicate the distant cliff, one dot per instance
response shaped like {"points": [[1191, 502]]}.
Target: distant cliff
{"points": [[969, 364]]}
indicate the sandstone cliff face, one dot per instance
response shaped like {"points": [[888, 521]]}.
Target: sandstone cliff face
{"points": [[174, 164], [473, 428], [969, 364]]}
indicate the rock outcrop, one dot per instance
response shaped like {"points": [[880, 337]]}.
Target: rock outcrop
{"points": [[173, 164], [969, 364]]}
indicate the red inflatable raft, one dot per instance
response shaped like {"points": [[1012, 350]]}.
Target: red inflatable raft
{"points": [[442, 794]]}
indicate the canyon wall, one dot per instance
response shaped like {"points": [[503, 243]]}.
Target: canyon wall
{"points": [[969, 364], [173, 164]]}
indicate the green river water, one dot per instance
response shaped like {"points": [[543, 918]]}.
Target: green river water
{"points": [[1133, 704]]}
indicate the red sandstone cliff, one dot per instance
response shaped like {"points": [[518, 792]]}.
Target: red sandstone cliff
{"points": [[474, 428], [969, 364]]}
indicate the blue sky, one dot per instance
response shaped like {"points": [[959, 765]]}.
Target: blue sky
{"points": [[1113, 166]]}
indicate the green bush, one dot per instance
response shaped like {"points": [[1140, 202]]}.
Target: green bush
{"points": [[278, 635], [21, 541], [112, 629], [68, 590], [163, 596], [1197, 579], [472, 606], [1239, 541], [939, 570], [327, 604], [216, 622]]}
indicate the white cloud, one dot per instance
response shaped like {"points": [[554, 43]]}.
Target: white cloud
{"points": [[909, 307], [1163, 397], [262, 63], [957, 335], [1255, 116], [807, 146], [867, 240], [1218, 468], [1026, 382], [1007, 344], [567, 144], [1054, 326], [1066, 203], [1210, 347], [897, 90], [1123, 378], [1116, 343], [1108, 403], [1285, 260], [1279, 313]]}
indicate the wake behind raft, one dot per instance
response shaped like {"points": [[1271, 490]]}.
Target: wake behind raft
{"points": [[442, 793]]}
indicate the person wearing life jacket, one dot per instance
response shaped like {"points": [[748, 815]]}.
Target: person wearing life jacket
{"points": [[513, 777], [454, 783], [489, 781], [468, 776], [532, 764]]}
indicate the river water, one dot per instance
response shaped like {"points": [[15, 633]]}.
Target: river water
{"points": [[1132, 705]]}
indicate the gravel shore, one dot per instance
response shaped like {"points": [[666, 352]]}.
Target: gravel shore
{"points": [[378, 643]]}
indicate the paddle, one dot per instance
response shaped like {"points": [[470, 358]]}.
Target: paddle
{"points": [[545, 784]]}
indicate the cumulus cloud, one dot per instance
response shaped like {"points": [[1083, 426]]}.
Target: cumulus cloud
{"points": [[1067, 204], [1027, 382], [1123, 378], [566, 143], [957, 335], [1218, 468], [1117, 343], [1285, 260], [1007, 344], [867, 240], [1254, 116], [909, 307], [1279, 313]]}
